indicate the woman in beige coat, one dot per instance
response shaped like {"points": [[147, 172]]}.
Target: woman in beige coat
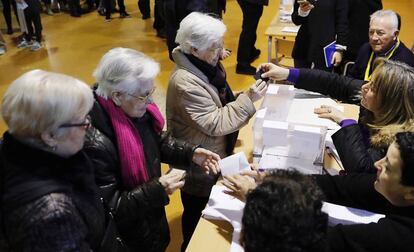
{"points": [[201, 107]]}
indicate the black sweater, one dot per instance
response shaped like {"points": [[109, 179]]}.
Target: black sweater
{"points": [[394, 233]]}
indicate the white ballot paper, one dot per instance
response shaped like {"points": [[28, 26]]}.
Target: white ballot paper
{"points": [[222, 206], [234, 164], [347, 215]]}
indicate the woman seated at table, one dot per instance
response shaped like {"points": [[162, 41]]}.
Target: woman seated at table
{"points": [[49, 199], [127, 147], [387, 101], [201, 107], [389, 192]]}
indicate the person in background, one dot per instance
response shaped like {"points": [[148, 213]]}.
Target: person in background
{"points": [[217, 7], [383, 43], [246, 51], [49, 200], [109, 8], [389, 192], [388, 102], [32, 11], [283, 213], [126, 145], [201, 107], [321, 23], [175, 11], [7, 13], [159, 22], [3, 47], [358, 15]]}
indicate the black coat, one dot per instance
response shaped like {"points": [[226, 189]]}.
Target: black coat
{"points": [[354, 148], [139, 212], [48, 203], [328, 19], [402, 54], [359, 17], [395, 232]]}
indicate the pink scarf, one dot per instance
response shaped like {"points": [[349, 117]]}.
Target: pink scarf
{"points": [[130, 147]]}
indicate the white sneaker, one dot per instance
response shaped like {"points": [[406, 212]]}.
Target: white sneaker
{"points": [[2, 50], [36, 46], [24, 44]]}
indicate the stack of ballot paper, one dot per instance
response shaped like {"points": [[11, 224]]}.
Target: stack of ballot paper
{"points": [[222, 206], [347, 215]]}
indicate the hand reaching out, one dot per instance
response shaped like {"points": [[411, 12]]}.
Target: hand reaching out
{"points": [[257, 90], [274, 72], [207, 160], [239, 185]]}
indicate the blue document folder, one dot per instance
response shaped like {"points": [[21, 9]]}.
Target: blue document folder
{"points": [[328, 52]]}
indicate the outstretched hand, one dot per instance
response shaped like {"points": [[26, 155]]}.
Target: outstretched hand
{"points": [[207, 160], [274, 72]]}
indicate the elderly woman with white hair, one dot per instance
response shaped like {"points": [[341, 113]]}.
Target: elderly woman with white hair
{"points": [[126, 145], [49, 200], [201, 107]]}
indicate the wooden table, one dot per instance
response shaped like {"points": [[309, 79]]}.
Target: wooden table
{"points": [[215, 236], [274, 30]]}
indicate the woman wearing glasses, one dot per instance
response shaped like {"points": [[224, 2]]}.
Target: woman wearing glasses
{"points": [[127, 146], [49, 199]]}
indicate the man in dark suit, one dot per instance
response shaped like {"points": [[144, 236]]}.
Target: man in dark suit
{"points": [[383, 42], [322, 22], [359, 13], [247, 52]]}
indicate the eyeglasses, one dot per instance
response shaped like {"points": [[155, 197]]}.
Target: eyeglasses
{"points": [[143, 98], [86, 124]]}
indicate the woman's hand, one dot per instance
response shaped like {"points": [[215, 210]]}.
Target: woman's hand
{"points": [[257, 90], [207, 160], [172, 180], [331, 113], [225, 53], [239, 185], [274, 72]]}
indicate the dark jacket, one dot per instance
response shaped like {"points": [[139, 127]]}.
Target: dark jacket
{"points": [[328, 19], [395, 232], [402, 54], [359, 17], [351, 142], [139, 212], [48, 203]]}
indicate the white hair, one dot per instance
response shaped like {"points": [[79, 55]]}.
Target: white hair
{"points": [[41, 101], [389, 14], [199, 31], [123, 69]]}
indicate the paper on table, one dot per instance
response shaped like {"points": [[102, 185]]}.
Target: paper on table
{"points": [[347, 215], [222, 206], [291, 29], [301, 111], [233, 164]]}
